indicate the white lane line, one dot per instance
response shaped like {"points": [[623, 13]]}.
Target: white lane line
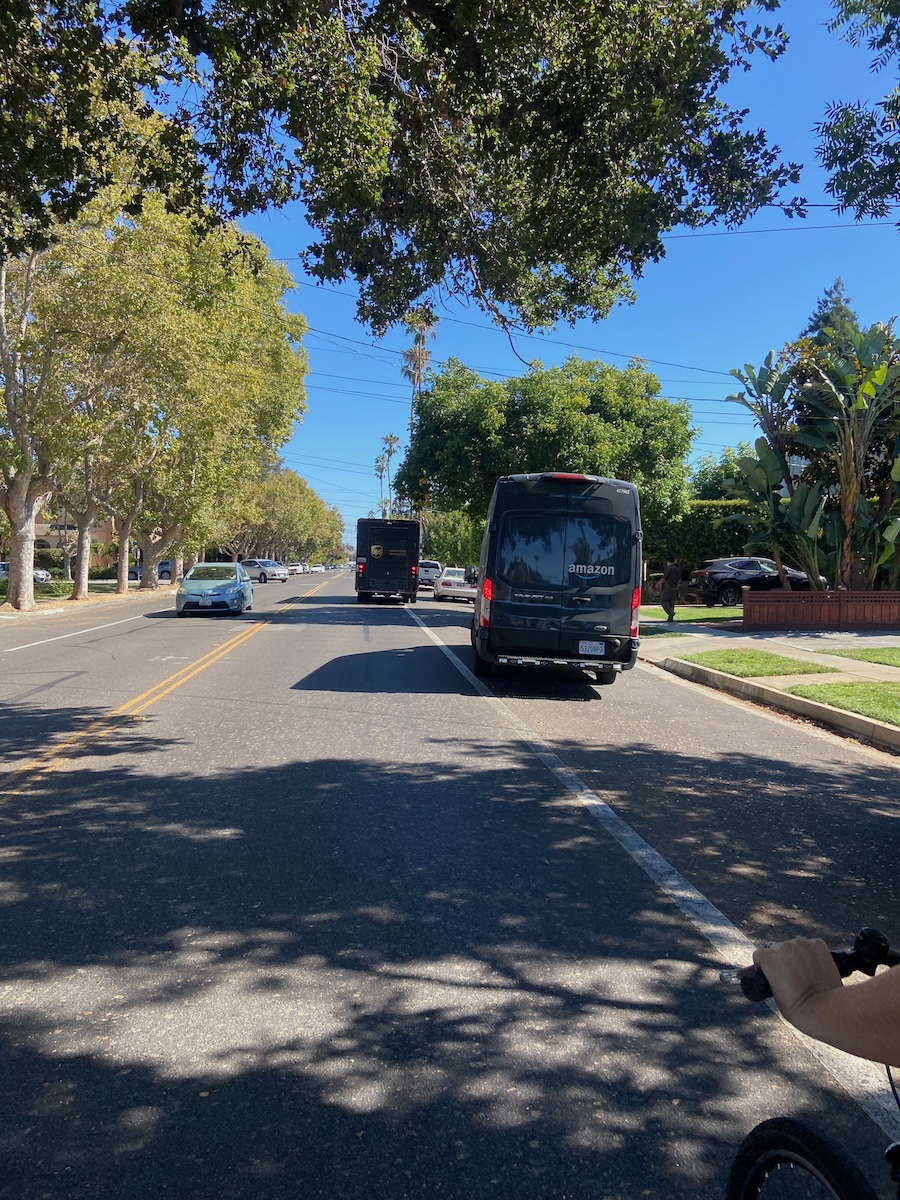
{"points": [[76, 633], [865, 1082]]}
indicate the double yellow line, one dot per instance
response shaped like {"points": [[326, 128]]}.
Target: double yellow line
{"points": [[100, 727]]}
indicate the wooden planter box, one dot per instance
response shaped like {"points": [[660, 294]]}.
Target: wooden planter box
{"points": [[839, 612]]}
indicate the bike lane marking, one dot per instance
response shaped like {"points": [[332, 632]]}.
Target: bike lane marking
{"points": [[863, 1081]]}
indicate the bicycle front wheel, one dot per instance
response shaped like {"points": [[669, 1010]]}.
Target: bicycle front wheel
{"points": [[783, 1159]]}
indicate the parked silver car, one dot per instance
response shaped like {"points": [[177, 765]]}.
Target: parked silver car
{"points": [[264, 569]]}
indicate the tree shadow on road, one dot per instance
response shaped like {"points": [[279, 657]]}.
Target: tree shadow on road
{"points": [[331, 978]]}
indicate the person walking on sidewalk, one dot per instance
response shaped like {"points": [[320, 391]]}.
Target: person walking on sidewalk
{"points": [[669, 594]]}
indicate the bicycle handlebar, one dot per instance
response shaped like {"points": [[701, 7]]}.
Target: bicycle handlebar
{"points": [[870, 951]]}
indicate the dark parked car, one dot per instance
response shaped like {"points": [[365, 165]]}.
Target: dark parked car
{"points": [[719, 580]]}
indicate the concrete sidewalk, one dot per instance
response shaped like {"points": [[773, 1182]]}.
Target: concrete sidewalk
{"points": [[666, 651]]}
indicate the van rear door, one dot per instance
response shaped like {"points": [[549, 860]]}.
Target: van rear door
{"points": [[601, 565], [528, 577]]}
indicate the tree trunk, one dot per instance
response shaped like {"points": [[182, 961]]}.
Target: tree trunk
{"points": [[23, 501], [85, 521], [124, 555]]}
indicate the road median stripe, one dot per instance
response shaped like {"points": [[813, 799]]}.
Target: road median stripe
{"points": [[42, 764]]}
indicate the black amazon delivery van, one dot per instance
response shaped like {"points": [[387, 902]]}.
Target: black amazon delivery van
{"points": [[559, 580]]}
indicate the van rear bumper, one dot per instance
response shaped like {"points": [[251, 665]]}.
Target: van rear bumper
{"points": [[555, 661]]}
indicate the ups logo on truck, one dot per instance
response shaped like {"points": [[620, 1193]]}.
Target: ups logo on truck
{"points": [[377, 551]]}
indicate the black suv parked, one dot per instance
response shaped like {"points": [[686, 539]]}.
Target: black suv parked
{"points": [[719, 580]]}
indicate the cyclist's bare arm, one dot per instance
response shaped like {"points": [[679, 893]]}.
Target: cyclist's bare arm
{"points": [[861, 1018]]}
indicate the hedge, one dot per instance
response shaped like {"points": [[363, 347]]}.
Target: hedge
{"points": [[709, 529]]}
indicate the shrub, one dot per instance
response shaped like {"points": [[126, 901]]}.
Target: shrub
{"points": [[709, 529]]}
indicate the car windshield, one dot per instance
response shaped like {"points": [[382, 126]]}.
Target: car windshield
{"points": [[212, 571], [768, 566]]}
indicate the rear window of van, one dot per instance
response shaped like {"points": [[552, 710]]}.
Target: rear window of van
{"points": [[551, 550]]}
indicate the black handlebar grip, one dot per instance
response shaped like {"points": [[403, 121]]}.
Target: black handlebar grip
{"points": [[754, 984]]}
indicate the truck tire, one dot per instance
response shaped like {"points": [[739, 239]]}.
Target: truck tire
{"points": [[606, 677], [412, 597], [363, 597]]}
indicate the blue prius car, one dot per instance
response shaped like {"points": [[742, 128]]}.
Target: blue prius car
{"points": [[214, 587]]}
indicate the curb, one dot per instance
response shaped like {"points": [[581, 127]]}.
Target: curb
{"points": [[878, 733]]}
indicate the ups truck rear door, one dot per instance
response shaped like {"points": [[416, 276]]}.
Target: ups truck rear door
{"points": [[390, 550]]}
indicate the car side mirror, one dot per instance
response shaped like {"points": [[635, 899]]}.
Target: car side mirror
{"points": [[471, 575]]}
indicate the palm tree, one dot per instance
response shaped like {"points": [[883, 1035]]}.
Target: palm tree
{"points": [[421, 323], [381, 464], [391, 442]]}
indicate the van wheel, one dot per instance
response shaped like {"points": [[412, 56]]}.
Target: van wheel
{"points": [[363, 597], [606, 677], [412, 597]]}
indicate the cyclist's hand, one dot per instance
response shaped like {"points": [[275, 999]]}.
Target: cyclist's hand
{"points": [[800, 972]]}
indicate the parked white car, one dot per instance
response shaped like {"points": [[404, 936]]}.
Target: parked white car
{"points": [[453, 585], [40, 575], [429, 572]]}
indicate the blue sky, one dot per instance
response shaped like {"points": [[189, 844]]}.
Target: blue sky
{"points": [[717, 301]]}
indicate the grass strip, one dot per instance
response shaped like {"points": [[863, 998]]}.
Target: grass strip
{"points": [[881, 701], [700, 612], [888, 656], [749, 664]]}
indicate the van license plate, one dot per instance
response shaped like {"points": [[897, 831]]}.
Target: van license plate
{"points": [[592, 647]]}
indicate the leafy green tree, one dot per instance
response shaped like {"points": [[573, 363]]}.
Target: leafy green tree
{"points": [[67, 82], [581, 416], [453, 538], [145, 370], [715, 478], [858, 141], [531, 157]]}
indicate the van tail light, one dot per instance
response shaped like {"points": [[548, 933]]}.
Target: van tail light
{"points": [[360, 567], [414, 570], [635, 612], [484, 611]]}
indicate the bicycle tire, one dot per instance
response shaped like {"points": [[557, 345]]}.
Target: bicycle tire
{"points": [[783, 1159]]}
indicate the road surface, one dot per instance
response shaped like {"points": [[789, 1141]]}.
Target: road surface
{"points": [[293, 907]]}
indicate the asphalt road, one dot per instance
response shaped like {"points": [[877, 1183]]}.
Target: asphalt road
{"points": [[292, 908]]}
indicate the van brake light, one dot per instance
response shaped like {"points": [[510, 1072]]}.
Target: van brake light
{"points": [[635, 612], [484, 612], [563, 475]]}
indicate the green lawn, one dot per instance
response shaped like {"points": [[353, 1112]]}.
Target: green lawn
{"points": [[888, 656], [698, 612], [747, 664], [878, 700]]}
